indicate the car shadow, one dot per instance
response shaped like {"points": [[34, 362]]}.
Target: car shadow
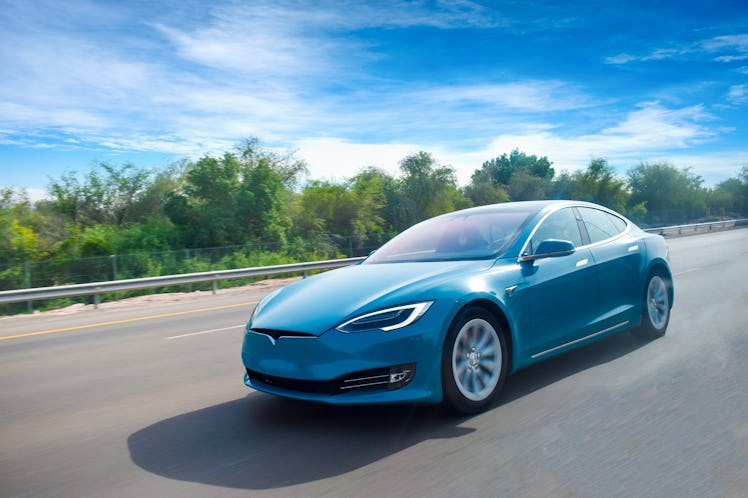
{"points": [[567, 364], [263, 442]]}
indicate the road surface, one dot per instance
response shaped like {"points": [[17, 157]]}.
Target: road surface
{"points": [[148, 400]]}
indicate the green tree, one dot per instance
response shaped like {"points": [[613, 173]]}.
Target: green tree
{"points": [[730, 197], [107, 194], [235, 198], [165, 182], [516, 177], [371, 189], [21, 229], [425, 190], [262, 202], [525, 186], [501, 169], [598, 183], [349, 215], [671, 195], [326, 208], [207, 210], [486, 192]]}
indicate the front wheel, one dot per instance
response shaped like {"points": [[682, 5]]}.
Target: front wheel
{"points": [[474, 361], [656, 309]]}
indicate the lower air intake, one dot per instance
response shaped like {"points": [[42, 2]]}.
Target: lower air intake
{"points": [[387, 378]]}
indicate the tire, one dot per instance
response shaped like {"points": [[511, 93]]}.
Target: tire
{"points": [[655, 309], [474, 361]]}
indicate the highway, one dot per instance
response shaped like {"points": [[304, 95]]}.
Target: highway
{"points": [[148, 400]]}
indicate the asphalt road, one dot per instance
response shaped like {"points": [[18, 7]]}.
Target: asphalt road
{"points": [[149, 401]]}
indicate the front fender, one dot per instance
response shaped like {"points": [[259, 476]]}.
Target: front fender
{"points": [[510, 311]]}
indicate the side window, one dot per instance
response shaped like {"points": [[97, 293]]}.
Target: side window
{"points": [[601, 225], [561, 225], [617, 222]]}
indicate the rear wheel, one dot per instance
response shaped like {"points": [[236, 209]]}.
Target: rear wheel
{"points": [[656, 309], [474, 361]]}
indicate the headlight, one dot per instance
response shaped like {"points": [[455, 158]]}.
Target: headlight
{"points": [[386, 319]]}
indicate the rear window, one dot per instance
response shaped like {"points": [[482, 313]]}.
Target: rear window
{"points": [[600, 224]]}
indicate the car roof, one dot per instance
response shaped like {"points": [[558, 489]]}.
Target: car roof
{"points": [[520, 206]]}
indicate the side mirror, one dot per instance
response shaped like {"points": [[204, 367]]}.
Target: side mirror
{"points": [[550, 248]]}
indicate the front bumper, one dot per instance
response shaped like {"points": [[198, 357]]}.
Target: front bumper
{"points": [[334, 366]]}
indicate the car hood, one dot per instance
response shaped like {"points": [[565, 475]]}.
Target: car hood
{"points": [[317, 304]]}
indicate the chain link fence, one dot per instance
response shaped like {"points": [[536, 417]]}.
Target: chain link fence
{"points": [[54, 272]]}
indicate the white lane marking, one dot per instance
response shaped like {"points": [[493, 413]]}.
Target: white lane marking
{"points": [[687, 271], [203, 332]]}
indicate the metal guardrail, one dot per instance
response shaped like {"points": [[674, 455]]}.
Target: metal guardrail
{"points": [[695, 226], [97, 288]]}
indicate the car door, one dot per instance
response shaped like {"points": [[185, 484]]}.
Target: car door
{"points": [[562, 291], [618, 257]]}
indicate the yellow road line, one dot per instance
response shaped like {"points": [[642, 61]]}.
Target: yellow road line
{"points": [[127, 320]]}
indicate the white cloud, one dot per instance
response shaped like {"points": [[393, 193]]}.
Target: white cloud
{"points": [[649, 133], [643, 133], [731, 58], [738, 94], [256, 50], [735, 46], [336, 159], [653, 126], [530, 95], [262, 38], [713, 167], [738, 42], [37, 194], [621, 59]]}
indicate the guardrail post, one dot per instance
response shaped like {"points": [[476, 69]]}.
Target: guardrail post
{"points": [[96, 298], [27, 276], [303, 274], [215, 286]]}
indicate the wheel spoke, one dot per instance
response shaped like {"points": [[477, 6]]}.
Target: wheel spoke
{"points": [[460, 367], [471, 384], [490, 349], [480, 378], [482, 340], [464, 375], [460, 350]]}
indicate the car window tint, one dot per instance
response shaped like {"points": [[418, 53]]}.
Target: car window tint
{"points": [[471, 235], [619, 223], [600, 225], [561, 225]]}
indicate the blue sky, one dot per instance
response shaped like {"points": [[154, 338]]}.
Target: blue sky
{"points": [[353, 84]]}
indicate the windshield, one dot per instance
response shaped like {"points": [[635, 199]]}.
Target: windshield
{"points": [[464, 235]]}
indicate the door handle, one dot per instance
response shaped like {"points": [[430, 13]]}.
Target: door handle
{"points": [[582, 262]]}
